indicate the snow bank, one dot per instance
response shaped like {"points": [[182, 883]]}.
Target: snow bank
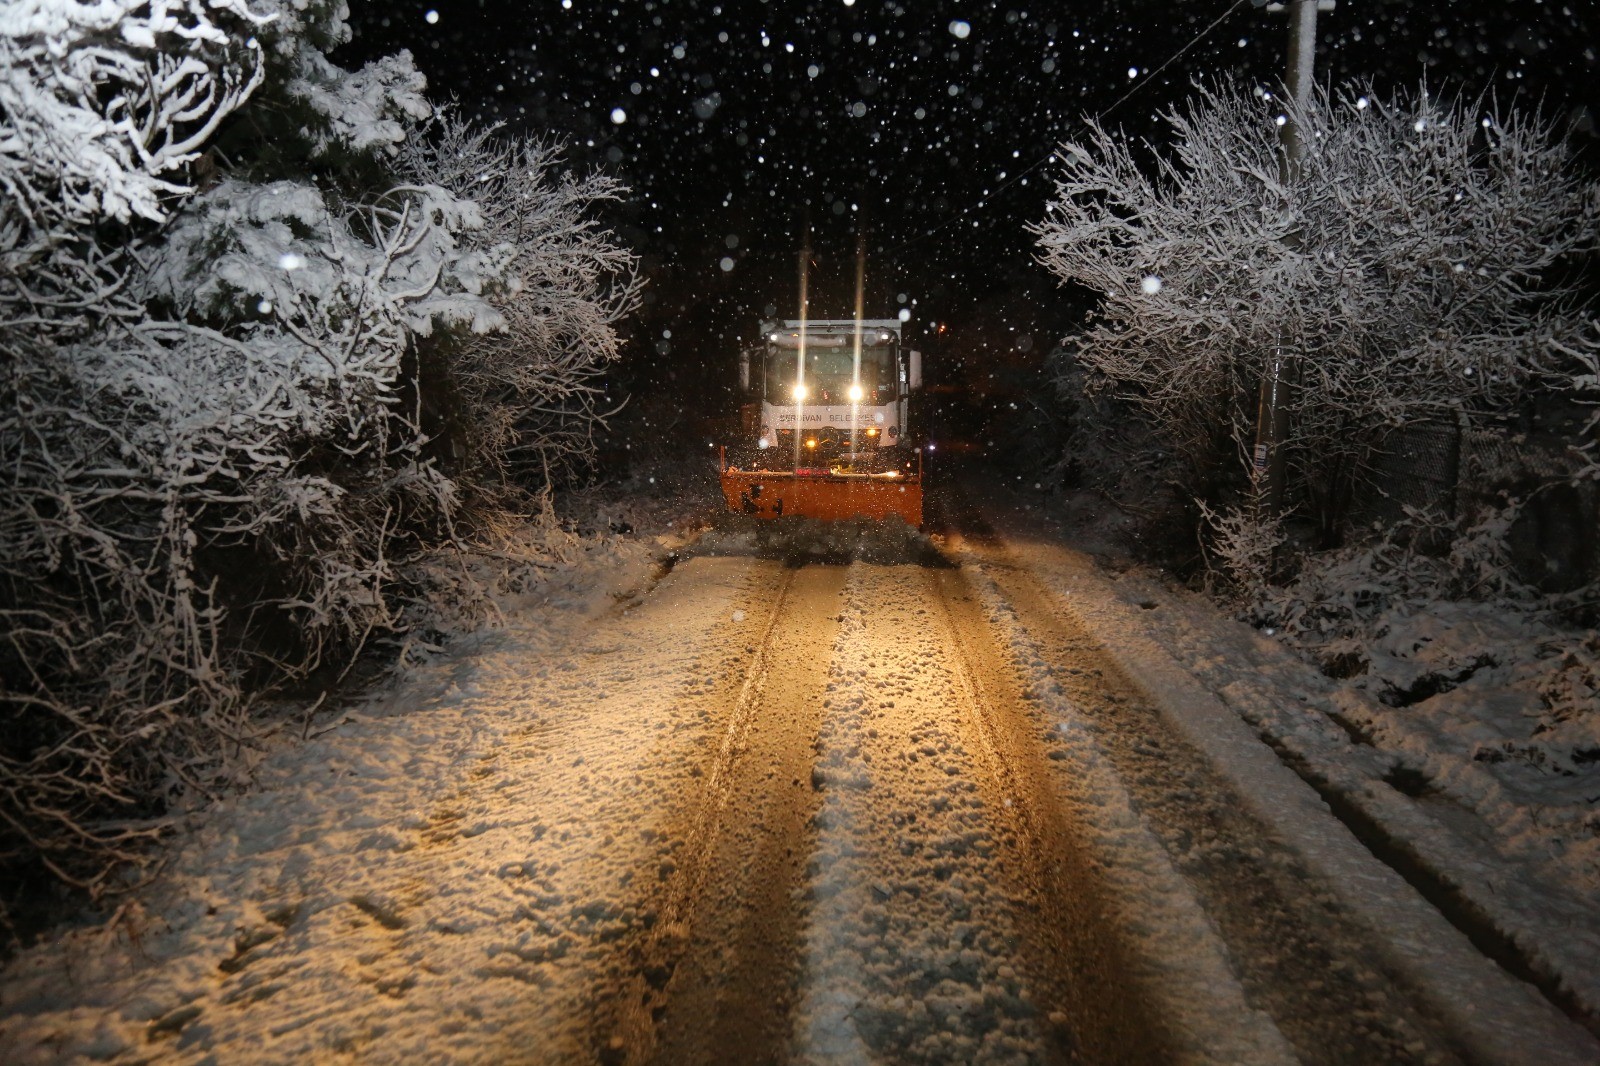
{"points": [[1215, 678]]}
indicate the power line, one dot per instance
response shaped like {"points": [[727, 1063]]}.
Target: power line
{"points": [[986, 197]]}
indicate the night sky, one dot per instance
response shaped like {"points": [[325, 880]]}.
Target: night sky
{"points": [[739, 123]]}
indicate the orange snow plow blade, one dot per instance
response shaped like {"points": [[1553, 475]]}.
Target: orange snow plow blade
{"points": [[827, 496]]}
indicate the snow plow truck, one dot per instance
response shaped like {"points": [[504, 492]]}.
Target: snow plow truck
{"points": [[827, 424]]}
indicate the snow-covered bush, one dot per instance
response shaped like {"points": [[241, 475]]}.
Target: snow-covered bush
{"points": [[1340, 593], [213, 467], [531, 395], [1415, 266], [499, 564], [1242, 546], [105, 103], [1432, 606], [104, 109]]}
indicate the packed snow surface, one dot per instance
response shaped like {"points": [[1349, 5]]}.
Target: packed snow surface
{"points": [[457, 868]]}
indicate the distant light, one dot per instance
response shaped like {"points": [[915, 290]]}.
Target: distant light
{"points": [[431, 17], [291, 261], [726, 264], [849, 3], [1361, 103], [1282, 120], [959, 29], [905, 314], [1133, 72], [1421, 124], [618, 115], [1150, 285], [265, 307]]}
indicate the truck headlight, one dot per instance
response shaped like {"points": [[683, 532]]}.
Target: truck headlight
{"points": [[856, 393], [799, 392]]}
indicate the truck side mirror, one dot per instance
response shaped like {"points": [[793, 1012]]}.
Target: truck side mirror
{"points": [[744, 371], [916, 369]]}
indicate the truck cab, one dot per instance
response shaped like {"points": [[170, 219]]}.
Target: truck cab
{"points": [[831, 395], [828, 430]]}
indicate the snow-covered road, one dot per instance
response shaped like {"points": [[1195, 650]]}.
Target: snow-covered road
{"points": [[946, 806]]}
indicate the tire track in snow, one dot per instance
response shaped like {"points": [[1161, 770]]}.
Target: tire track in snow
{"points": [[1080, 850], [928, 938], [714, 980], [1299, 957]]}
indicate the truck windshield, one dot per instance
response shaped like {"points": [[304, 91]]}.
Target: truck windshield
{"points": [[829, 372]]}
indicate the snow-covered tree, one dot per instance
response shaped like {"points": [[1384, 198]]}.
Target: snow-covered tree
{"points": [[531, 395], [1418, 265], [212, 457]]}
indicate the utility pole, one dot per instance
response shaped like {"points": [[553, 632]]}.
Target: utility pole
{"points": [[1272, 405]]}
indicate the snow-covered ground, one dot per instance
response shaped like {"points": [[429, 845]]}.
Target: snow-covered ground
{"points": [[1508, 845], [477, 862], [904, 775], [389, 889]]}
